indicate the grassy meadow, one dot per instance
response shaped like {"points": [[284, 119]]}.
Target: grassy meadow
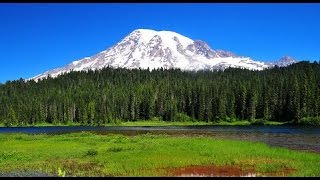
{"points": [[158, 122], [88, 154]]}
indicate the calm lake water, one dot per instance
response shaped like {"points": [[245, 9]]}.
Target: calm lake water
{"points": [[293, 137]]}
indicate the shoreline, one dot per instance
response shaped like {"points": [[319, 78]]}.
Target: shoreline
{"points": [[163, 123]]}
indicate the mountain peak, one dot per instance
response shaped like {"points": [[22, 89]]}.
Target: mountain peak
{"points": [[285, 61], [147, 48], [148, 34], [153, 31], [143, 31]]}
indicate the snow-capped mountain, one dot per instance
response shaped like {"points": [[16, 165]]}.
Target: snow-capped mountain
{"points": [[285, 61], [145, 48]]}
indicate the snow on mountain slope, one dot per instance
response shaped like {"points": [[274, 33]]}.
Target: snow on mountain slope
{"points": [[285, 61], [146, 48]]}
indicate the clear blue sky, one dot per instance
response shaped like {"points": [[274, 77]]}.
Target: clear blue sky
{"points": [[39, 37]]}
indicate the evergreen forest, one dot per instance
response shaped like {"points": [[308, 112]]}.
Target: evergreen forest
{"points": [[283, 94]]}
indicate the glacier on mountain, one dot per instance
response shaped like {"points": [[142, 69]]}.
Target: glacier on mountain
{"points": [[146, 48]]}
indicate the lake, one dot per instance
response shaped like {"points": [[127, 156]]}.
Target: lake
{"points": [[293, 137]]}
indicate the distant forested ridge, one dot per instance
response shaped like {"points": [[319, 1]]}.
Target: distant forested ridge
{"points": [[117, 95]]}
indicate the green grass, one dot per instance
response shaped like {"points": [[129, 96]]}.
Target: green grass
{"points": [[86, 154], [163, 123], [197, 123], [43, 124], [238, 123]]}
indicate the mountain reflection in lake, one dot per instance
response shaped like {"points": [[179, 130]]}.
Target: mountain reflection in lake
{"points": [[298, 138]]}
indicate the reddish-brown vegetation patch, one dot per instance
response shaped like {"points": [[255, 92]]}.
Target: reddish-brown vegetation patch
{"points": [[211, 171], [222, 171]]}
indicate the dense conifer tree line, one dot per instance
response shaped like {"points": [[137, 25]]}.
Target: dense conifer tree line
{"points": [[112, 95]]}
